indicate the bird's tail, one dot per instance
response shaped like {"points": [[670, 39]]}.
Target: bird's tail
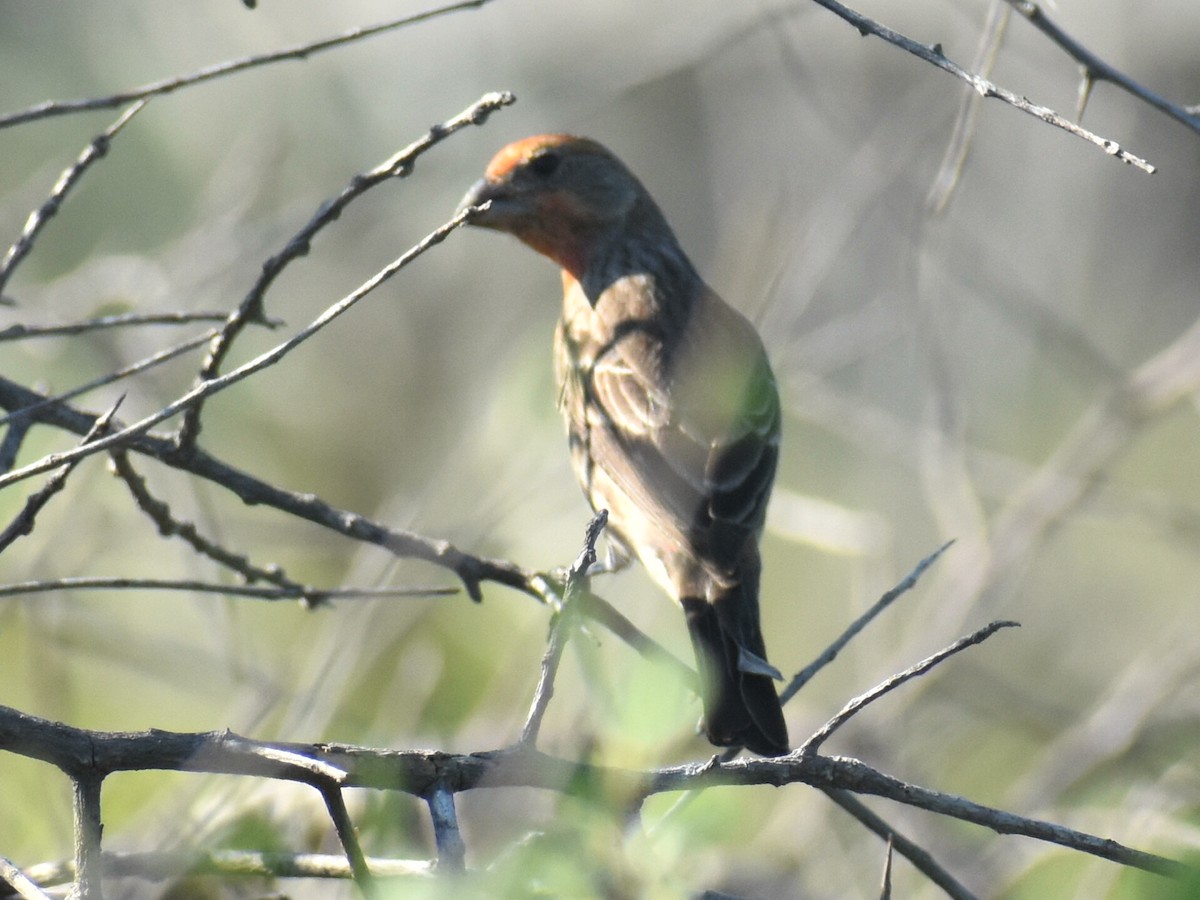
{"points": [[741, 707]]}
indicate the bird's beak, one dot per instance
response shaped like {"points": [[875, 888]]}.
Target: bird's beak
{"points": [[479, 193], [506, 206]]}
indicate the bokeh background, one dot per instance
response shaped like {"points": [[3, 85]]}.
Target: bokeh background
{"points": [[945, 375]]}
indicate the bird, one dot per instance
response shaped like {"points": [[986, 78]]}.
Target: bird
{"points": [[671, 408]]}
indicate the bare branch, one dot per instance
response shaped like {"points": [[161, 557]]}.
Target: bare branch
{"points": [[88, 829], [934, 56], [141, 366], [830, 653], [168, 85], [914, 853], [1095, 69], [23, 523], [417, 773], [561, 629], [310, 595], [22, 884], [168, 526], [40, 216], [452, 852], [250, 309], [335, 803], [124, 436], [858, 703], [19, 331], [164, 865], [471, 570]]}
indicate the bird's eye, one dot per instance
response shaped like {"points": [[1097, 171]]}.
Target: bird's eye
{"points": [[545, 163]]}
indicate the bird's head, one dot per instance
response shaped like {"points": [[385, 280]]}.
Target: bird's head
{"points": [[562, 195]]}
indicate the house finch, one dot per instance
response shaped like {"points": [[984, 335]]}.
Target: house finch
{"points": [[671, 409]]}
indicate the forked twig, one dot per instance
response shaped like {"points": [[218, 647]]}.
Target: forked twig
{"points": [[169, 85], [858, 703], [250, 310], [561, 629], [206, 389], [23, 523], [934, 56], [830, 653]]}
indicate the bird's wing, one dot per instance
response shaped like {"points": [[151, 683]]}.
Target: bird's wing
{"points": [[691, 420]]}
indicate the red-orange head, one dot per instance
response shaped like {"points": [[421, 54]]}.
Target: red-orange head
{"points": [[564, 196]]}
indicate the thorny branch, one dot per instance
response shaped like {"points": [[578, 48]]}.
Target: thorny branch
{"points": [[250, 310], [20, 331], [315, 764], [311, 596], [934, 56], [420, 773], [562, 628], [231, 67], [125, 436], [473, 571], [136, 368], [921, 858], [830, 653], [858, 703], [24, 521], [1096, 69], [39, 217]]}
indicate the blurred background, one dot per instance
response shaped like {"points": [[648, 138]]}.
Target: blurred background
{"points": [[1016, 372]]}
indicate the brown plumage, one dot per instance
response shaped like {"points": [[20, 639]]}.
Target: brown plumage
{"points": [[671, 409]]}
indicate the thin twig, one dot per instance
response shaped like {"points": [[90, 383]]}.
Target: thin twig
{"points": [[452, 852], [124, 436], [310, 595], [1096, 69], [88, 829], [23, 523], [921, 859], [250, 310], [168, 85], [140, 366], [471, 570], [168, 526], [122, 320], [335, 804], [162, 865], [20, 882], [601, 611], [39, 217], [830, 653], [934, 56], [561, 629], [885, 890], [19, 423], [860, 702]]}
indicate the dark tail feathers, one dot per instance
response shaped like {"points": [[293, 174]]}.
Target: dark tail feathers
{"points": [[740, 709]]}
